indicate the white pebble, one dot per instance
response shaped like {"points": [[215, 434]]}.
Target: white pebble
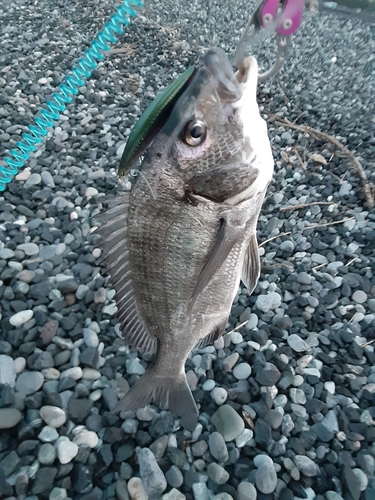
{"points": [[136, 489], [19, 364], [21, 317], [330, 387], [208, 385], [219, 395], [75, 373], [83, 436], [66, 450], [91, 374]]}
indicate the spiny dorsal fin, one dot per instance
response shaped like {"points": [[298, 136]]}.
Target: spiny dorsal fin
{"points": [[115, 250]]}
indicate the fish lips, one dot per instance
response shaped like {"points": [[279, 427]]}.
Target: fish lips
{"points": [[232, 88]]}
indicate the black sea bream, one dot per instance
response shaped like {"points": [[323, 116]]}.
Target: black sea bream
{"points": [[179, 242]]}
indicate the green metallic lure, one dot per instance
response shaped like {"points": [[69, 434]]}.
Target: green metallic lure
{"points": [[152, 121]]}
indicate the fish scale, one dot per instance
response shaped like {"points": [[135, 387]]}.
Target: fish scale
{"points": [[179, 242]]}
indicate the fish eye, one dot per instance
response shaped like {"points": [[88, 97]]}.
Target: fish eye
{"points": [[195, 132]]}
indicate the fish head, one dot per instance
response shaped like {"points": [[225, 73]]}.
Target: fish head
{"points": [[215, 133]]}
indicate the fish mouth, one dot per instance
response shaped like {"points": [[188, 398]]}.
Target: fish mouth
{"points": [[232, 88]]}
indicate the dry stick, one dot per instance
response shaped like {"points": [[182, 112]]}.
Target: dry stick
{"points": [[317, 134], [305, 229], [304, 205]]}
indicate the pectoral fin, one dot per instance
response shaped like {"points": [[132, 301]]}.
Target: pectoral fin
{"points": [[251, 265], [225, 241]]}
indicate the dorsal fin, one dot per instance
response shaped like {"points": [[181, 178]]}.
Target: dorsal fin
{"points": [[115, 250]]}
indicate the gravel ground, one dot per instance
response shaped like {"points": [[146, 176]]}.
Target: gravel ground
{"points": [[287, 401]]}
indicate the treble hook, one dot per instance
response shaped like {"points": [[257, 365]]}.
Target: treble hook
{"points": [[280, 16]]}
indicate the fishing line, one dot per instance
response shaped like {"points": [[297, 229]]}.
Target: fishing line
{"points": [[69, 88]]}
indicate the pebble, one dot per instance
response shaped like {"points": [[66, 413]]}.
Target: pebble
{"points": [[66, 450], [83, 436], [218, 447], [30, 249], [246, 491], [152, 476], [174, 477], [9, 417], [362, 479], [58, 494], [29, 382], [307, 466], [21, 317], [242, 371], [53, 416], [268, 302], [217, 473], [48, 434], [173, 494], [297, 344], [7, 371], [219, 395], [228, 422], [46, 454], [266, 478], [136, 489], [359, 296]]}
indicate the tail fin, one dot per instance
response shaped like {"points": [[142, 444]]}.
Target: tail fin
{"points": [[167, 392]]}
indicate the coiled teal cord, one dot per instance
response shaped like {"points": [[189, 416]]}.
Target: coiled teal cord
{"points": [[85, 66]]}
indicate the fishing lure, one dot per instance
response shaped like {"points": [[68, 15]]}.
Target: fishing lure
{"points": [[152, 120]]}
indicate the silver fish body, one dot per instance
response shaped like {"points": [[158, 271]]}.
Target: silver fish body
{"points": [[177, 245]]}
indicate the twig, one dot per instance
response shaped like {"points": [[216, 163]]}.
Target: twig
{"points": [[273, 238], [304, 205], [306, 228], [238, 327], [303, 164], [356, 164], [368, 343]]}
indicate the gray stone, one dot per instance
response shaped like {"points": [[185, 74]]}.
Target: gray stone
{"points": [[9, 417], [200, 491], [58, 494], [29, 382], [46, 454], [7, 370], [268, 302], [53, 416], [134, 367], [297, 344], [173, 495], [29, 249], [217, 473], [174, 477], [362, 479], [305, 465], [228, 422], [152, 476], [303, 278], [218, 447], [34, 179], [242, 371], [287, 246], [332, 495], [266, 478], [47, 179], [359, 296], [246, 491]]}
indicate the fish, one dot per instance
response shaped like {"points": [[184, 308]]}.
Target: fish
{"points": [[177, 244]]}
